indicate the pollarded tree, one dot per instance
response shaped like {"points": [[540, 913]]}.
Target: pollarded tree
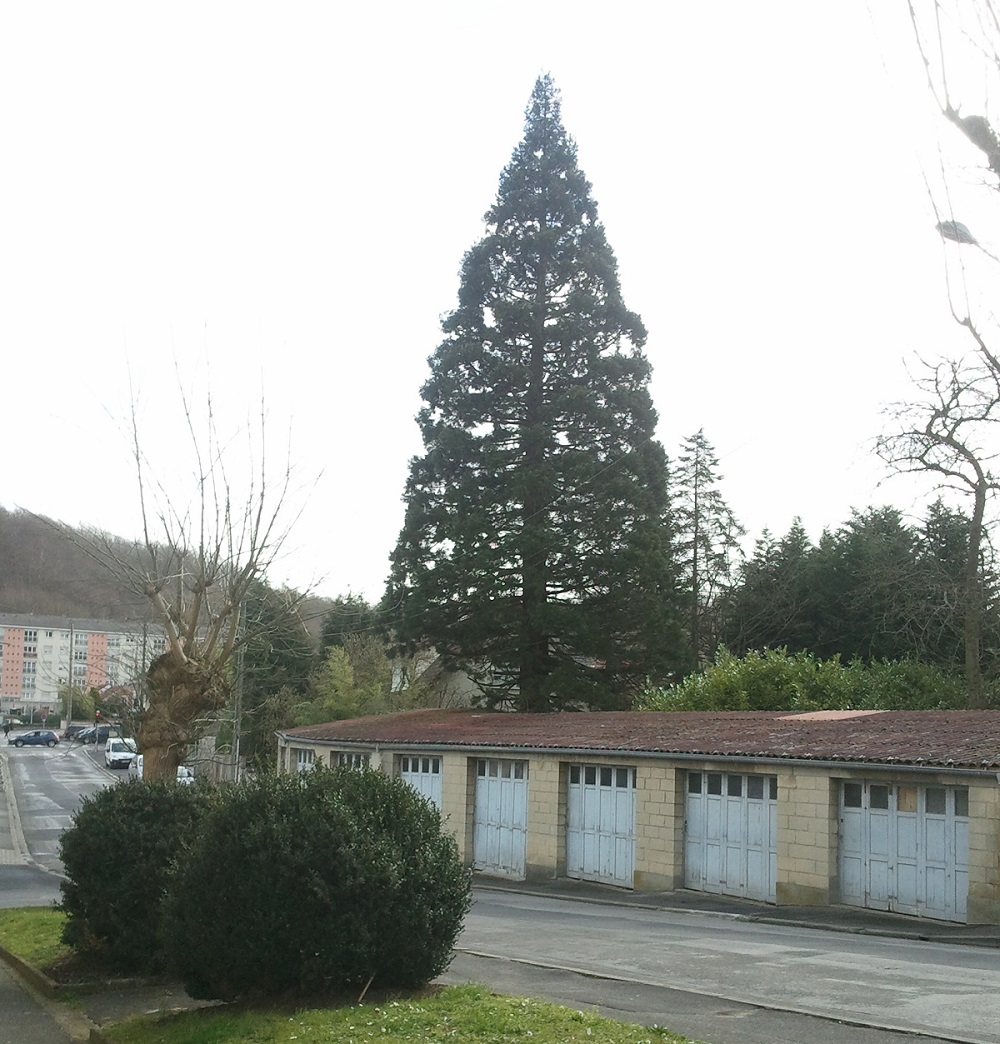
{"points": [[202, 554], [707, 540], [535, 552]]}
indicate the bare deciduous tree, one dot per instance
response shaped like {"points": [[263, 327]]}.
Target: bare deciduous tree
{"points": [[197, 559], [948, 434]]}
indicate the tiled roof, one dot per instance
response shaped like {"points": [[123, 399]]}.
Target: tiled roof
{"points": [[952, 739]]}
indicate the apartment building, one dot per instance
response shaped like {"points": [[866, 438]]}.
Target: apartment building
{"points": [[41, 655]]}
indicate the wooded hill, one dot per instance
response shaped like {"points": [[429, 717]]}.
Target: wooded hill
{"points": [[44, 570]]}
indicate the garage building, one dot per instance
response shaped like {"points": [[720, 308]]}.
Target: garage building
{"points": [[892, 810]]}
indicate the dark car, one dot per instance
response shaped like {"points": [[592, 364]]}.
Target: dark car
{"points": [[38, 737], [73, 731], [94, 734]]}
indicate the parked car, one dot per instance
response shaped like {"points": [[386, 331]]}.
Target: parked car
{"points": [[73, 731], [119, 752], [94, 734], [37, 738], [184, 774]]}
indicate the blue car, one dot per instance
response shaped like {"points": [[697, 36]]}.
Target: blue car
{"points": [[37, 738]]}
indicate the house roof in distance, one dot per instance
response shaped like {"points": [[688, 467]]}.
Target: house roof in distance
{"points": [[950, 739]]}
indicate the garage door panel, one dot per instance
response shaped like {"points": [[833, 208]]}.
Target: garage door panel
{"points": [[499, 833], [937, 889], [600, 829], [424, 775], [925, 831], [906, 836], [731, 834]]}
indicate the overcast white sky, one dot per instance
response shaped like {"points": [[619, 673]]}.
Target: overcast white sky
{"points": [[276, 198]]}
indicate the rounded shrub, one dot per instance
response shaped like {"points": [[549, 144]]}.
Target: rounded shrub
{"points": [[118, 855], [322, 881]]}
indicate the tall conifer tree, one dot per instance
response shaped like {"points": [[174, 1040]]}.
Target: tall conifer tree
{"points": [[535, 552], [707, 542]]}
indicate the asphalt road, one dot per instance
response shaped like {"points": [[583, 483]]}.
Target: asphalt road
{"points": [[940, 990]]}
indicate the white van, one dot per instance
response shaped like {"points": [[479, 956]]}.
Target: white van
{"points": [[118, 752]]}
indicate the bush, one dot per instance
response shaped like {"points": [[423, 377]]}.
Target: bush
{"points": [[118, 855], [777, 680], [307, 883]]}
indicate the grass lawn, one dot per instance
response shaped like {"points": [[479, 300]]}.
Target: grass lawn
{"points": [[453, 1013], [32, 933], [450, 1013]]}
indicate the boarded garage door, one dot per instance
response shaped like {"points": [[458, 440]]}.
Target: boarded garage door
{"points": [[730, 841], [905, 848], [501, 816], [600, 830], [423, 774]]}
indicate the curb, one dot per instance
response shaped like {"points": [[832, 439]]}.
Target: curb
{"points": [[46, 992]]}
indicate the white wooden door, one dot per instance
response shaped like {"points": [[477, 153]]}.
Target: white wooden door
{"points": [[905, 848], [423, 773], [501, 817], [731, 834], [600, 829]]}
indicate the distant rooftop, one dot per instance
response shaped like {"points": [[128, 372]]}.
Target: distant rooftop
{"points": [[65, 623]]}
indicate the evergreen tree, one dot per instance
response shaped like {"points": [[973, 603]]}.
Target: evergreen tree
{"points": [[774, 602], [349, 614], [707, 541], [534, 552], [277, 659]]}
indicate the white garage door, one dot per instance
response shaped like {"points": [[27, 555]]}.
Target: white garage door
{"points": [[600, 828], [423, 774], [501, 817], [731, 829], [905, 848]]}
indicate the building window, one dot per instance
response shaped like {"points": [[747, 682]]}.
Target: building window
{"points": [[304, 759], [354, 761]]}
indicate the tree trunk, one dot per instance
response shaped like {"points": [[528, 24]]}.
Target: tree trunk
{"points": [[534, 665], [179, 691], [973, 601]]}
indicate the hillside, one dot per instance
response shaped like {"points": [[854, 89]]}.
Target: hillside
{"points": [[44, 570]]}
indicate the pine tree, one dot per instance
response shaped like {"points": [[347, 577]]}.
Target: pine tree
{"points": [[707, 541], [535, 552]]}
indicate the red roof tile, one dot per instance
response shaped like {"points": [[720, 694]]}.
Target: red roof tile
{"points": [[955, 739]]}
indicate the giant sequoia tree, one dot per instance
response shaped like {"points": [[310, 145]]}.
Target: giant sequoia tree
{"points": [[535, 552]]}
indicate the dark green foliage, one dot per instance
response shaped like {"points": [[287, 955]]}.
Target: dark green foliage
{"points": [[118, 855], [322, 881], [275, 664], [535, 551], [778, 680], [874, 589], [349, 615]]}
